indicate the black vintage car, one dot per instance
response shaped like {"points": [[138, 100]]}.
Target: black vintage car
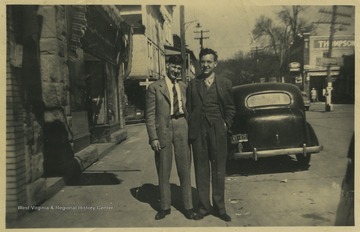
{"points": [[270, 121]]}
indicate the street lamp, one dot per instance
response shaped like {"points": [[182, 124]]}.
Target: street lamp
{"points": [[201, 38], [189, 23]]}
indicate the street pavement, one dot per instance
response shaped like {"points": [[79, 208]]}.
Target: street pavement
{"points": [[120, 191]]}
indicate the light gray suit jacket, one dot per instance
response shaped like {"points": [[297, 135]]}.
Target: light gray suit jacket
{"points": [[157, 111]]}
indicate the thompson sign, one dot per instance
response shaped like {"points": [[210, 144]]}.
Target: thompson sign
{"points": [[335, 44]]}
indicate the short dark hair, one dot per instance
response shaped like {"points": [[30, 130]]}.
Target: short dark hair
{"points": [[206, 51], [175, 60]]}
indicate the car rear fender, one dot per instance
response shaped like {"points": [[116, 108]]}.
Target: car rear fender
{"points": [[312, 139]]}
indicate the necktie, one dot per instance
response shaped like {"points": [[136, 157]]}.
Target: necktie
{"points": [[176, 100]]}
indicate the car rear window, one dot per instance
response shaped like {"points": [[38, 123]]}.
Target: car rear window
{"points": [[268, 99]]}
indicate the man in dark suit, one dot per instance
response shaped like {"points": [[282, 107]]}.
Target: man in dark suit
{"points": [[211, 111], [168, 134]]}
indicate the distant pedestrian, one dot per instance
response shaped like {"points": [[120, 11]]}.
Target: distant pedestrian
{"points": [[168, 135], [313, 94], [211, 110]]}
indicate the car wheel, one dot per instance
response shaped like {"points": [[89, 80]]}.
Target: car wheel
{"points": [[307, 108], [303, 160]]}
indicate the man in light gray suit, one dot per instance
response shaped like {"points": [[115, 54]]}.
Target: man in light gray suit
{"points": [[168, 135]]}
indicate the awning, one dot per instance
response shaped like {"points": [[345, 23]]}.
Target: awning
{"points": [[169, 50], [172, 52], [317, 74]]}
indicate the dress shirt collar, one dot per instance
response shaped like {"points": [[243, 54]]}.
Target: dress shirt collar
{"points": [[209, 80]]}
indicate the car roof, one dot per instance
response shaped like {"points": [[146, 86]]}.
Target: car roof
{"points": [[243, 91]]}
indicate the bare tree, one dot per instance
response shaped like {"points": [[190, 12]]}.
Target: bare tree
{"points": [[290, 16], [277, 38]]}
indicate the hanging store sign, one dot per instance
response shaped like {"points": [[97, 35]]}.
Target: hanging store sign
{"points": [[298, 79], [323, 73], [294, 67], [328, 61], [145, 83]]}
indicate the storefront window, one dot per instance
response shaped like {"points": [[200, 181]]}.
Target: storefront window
{"points": [[95, 84]]}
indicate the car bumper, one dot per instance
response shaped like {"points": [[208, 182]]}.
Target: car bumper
{"points": [[267, 153]]}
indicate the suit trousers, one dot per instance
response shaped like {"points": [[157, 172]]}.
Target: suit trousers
{"points": [[163, 160], [210, 154]]}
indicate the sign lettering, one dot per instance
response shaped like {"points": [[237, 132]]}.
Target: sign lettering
{"points": [[335, 44]]}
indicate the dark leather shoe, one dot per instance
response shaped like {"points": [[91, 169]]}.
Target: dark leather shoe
{"points": [[225, 217], [200, 216], [189, 214], [161, 214]]}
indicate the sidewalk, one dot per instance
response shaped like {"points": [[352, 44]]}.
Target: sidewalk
{"points": [[119, 190], [320, 107]]}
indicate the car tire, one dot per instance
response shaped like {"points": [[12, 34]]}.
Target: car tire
{"points": [[303, 160], [307, 108]]}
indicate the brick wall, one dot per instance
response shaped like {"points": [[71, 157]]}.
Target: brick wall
{"points": [[26, 184], [15, 139]]}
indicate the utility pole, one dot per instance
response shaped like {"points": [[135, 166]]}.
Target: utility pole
{"points": [[334, 14], [183, 43], [256, 63], [201, 38], [329, 87]]}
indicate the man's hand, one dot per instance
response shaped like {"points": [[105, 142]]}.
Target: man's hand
{"points": [[155, 145]]}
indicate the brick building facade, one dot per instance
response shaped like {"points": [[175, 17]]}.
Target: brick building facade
{"points": [[311, 52]]}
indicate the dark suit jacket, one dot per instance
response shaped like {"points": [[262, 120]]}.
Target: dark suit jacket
{"points": [[158, 110], [195, 103]]}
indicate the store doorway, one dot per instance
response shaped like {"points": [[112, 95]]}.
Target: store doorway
{"points": [[318, 83]]}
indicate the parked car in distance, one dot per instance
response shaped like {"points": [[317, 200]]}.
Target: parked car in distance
{"points": [[270, 121], [133, 114], [306, 99]]}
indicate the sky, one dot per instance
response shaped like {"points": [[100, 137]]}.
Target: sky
{"points": [[230, 23], [229, 26]]}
